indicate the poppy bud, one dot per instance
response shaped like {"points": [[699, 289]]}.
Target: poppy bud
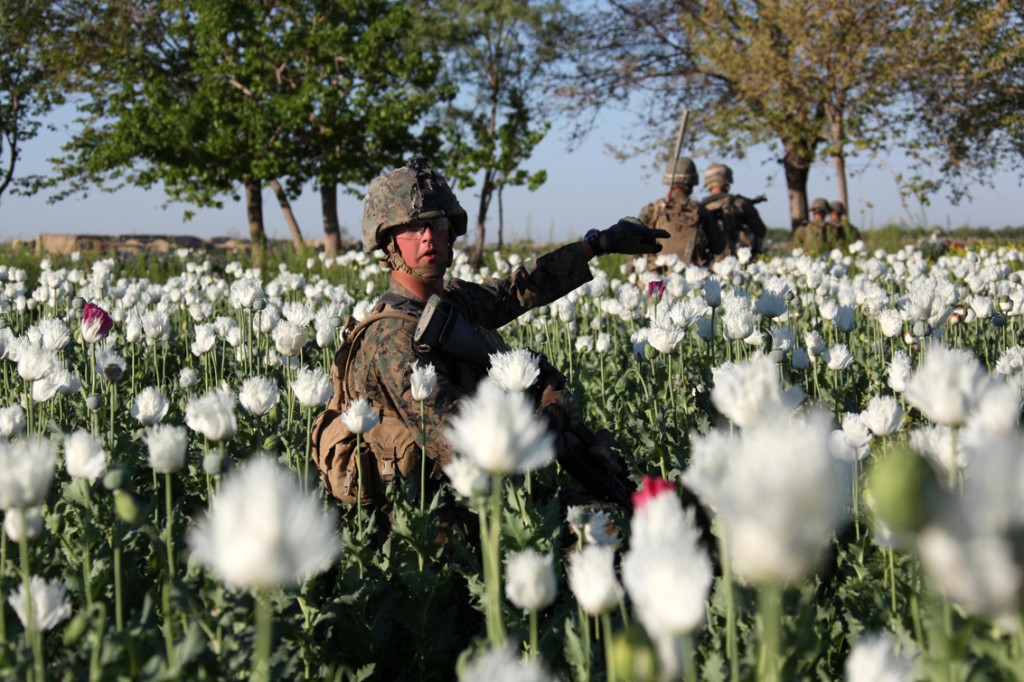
{"points": [[75, 629], [116, 478], [127, 507]]}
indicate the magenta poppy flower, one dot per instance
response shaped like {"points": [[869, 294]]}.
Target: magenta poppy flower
{"points": [[655, 288], [96, 323], [652, 487]]}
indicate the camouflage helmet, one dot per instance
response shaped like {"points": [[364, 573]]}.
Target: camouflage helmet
{"points": [[684, 173], [718, 175], [407, 194], [819, 205], [837, 207]]}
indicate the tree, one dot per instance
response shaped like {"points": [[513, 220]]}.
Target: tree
{"points": [[774, 72], [25, 92], [208, 96], [501, 54], [965, 80]]}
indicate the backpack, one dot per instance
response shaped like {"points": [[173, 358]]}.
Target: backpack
{"points": [[685, 225], [386, 451]]}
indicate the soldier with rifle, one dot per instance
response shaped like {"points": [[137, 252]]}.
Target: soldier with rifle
{"points": [[693, 237], [413, 217], [733, 213]]}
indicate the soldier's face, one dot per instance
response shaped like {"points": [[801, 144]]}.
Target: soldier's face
{"points": [[424, 243]]}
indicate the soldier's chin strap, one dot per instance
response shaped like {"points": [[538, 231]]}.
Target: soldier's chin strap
{"points": [[427, 274]]}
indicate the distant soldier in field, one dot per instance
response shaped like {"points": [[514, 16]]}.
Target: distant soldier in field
{"points": [[692, 235], [813, 236], [846, 233], [734, 215]]}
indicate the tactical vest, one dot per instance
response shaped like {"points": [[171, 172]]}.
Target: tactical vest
{"points": [[389, 450], [726, 214], [681, 218], [359, 474]]}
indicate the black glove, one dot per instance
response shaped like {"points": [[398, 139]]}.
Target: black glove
{"points": [[629, 235]]}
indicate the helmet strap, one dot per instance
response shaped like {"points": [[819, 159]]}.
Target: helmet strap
{"points": [[425, 275]]}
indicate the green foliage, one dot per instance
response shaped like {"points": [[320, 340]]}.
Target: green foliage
{"points": [[26, 91], [203, 98]]}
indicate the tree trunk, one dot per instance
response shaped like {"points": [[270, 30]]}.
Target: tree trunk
{"points": [[797, 168], [501, 217], [476, 256], [838, 139], [329, 209], [841, 179], [289, 216], [254, 210]]}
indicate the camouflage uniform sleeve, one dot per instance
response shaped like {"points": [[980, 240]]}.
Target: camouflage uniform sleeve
{"points": [[381, 372], [496, 302]]}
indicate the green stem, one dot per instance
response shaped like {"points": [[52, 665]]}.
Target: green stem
{"points": [[32, 638], [856, 498], [770, 606], [534, 651], [892, 581], [423, 458], [689, 659], [359, 488], [3, 572], [731, 644], [262, 640], [496, 633], [170, 522], [118, 605], [609, 650]]}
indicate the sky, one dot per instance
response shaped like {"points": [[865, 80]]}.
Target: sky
{"points": [[587, 187]]}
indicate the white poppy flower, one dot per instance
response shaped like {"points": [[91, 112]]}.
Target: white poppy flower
{"points": [[264, 532]]}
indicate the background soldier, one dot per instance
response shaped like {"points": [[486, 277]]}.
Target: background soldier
{"points": [[734, 214], [813, 235], [847, 233], [412, 215], [692, 235]]}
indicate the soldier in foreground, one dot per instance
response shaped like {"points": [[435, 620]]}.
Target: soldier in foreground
{"points": [[813, 236], [414, 218], [734, 214], [693, 237]]}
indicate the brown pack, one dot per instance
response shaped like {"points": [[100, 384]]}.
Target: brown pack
{"points": [[386, 451]]}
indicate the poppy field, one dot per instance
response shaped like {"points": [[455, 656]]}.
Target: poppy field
{"points": [[827, 457]]}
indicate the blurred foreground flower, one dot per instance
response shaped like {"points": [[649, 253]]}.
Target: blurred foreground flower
{"points": [[592, 579], [264, 532], [166, 445], [874, 659], [26, 471], [530, 580], [12, 421], [751, 392], [947, 385], [503, 664], [499, 432], [83, 456], [49, 603], [28, 521]]}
